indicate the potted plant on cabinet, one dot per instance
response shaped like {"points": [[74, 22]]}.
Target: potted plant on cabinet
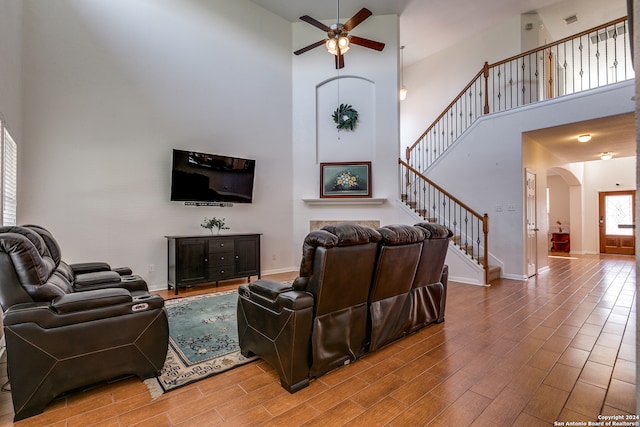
{"points": [[214, 222]]}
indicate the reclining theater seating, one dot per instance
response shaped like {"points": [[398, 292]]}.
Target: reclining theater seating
{"points": [[86, 275], [320, 321], [353, 281], [429, 289], [60, 338], [390, 295]]}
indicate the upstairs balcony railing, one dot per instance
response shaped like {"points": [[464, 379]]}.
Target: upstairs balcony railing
{"points": [[591, 59]]}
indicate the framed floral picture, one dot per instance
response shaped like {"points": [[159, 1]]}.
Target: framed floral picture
{"points": [[345, 179]]}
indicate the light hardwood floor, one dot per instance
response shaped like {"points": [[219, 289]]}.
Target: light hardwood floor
{"points": [[560, 347]]}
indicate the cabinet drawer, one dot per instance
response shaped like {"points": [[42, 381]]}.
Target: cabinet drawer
{"points": [[217, 245], [222, 272], [197, 259], [220, 258]]}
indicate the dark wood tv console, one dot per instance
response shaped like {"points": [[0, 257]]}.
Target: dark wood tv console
{"points": [[194, 260]]}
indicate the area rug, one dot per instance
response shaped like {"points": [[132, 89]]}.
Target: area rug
{"points": [[203, 340]]}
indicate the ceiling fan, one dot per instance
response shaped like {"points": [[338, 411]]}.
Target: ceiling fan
{"points": [[338, 39]]}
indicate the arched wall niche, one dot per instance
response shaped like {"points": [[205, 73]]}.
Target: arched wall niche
{"points": [[332, 144]]}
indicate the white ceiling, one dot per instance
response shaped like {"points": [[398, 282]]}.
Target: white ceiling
{"points": [[427, 26], [614, 133]]}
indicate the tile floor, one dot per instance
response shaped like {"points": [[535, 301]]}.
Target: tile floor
{"points": [[557, 348]]}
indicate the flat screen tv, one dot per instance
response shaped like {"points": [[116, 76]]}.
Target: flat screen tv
{"points": [[211, 178]]}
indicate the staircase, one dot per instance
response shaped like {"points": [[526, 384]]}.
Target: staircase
{"points": [[590, 59], [434, 204]]}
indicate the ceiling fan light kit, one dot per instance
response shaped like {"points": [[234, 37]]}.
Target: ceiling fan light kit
{"points": [[338, 40], [337, 46]]}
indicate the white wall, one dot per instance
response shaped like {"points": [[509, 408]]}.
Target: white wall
{"points": [[368, 82], [109, 88], [435, 81], [11, 66], [559, 204]]}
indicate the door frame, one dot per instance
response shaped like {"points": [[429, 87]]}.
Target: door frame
{"points": [[601, 221], [531, 222]]}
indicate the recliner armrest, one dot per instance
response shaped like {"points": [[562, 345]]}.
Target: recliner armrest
{"points": [[90, 280], [90, 300], [89, 267], [76, 308], [123, 271], [269, 288], [275, 295], [108, 279]]}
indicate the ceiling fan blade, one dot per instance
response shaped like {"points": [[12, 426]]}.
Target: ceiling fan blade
{"points": [[371, 44], [311, 46], [339, 61], [315, 23], [356, 19]]}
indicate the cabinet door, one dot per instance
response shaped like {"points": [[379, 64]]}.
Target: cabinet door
{"points": [[247, 251], [191, 265]]}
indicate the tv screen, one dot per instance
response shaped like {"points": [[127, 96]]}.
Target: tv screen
{"points": [[202, 177]]}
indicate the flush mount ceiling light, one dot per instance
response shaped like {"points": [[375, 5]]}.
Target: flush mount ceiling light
{"points": [[584, 137], [606, 156]]}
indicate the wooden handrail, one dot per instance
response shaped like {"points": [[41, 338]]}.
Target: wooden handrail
{"points": [[483, 219], [564, 40], [485, 71], [456, 99], [486, 108], [442, 190]]}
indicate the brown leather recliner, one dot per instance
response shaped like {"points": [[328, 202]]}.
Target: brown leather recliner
{"points": [[320, 321], [59, 339], [429, 289], [84, 275], [390, 297]]}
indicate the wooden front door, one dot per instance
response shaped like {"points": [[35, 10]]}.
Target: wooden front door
{"points": [[617, 222]]}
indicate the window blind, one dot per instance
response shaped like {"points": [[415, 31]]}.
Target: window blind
{"points": [[9, 177]]}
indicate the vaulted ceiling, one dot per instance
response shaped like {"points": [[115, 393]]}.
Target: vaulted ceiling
{"points": [[427, 26]]}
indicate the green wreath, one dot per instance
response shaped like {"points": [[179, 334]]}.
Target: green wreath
{"points": [[345, 117]]}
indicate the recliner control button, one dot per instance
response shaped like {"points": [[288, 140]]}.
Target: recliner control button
{"points": [[140, 307]]}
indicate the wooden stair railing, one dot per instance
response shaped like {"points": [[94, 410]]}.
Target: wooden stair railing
{"points": [[434, 204], [593, 58]]}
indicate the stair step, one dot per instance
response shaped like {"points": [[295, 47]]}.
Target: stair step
{"points": [[468, 248], [494, 273]]}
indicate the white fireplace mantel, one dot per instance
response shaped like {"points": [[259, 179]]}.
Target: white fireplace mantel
{"points": [[344, 201]]}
